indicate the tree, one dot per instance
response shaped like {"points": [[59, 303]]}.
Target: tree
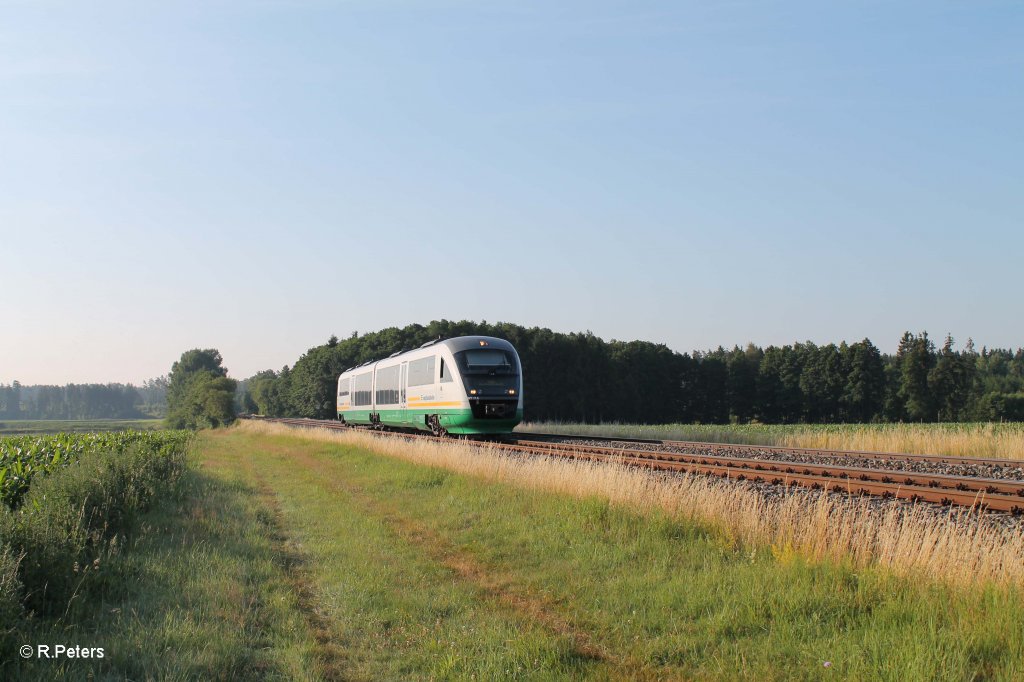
{"points": [[10, 401], [863, 395], [15, 399], [778, 386], [710, 387], [1001, 407], [244, 403], [741, 384], [915, 358], [154, 396], [821, 381], [314, 380], [199, 394], [646, 377], [265, 389], [950, 381]]}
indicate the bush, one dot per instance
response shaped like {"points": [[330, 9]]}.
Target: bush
{"points": [[24, 459], [1001, 407], [66, 520]]}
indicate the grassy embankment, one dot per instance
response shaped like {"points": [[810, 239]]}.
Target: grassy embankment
{"points": [[17, 427], [960, 440], [308, 557]]}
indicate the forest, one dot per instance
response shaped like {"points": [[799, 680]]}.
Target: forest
{"points": [[84, 401], [582, 378]]}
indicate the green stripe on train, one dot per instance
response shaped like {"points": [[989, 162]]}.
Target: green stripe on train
{"points": [[458, 421]]}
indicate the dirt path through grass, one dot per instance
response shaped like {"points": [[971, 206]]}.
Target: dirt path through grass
{"points": [[493, 585], [293, 564], [420, 608], [330, 652]]}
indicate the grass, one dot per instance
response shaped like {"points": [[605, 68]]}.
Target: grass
{"points": [[199, 588], [407, 559], [990, 440], [19, 427], [964, 549], [305, 555]]}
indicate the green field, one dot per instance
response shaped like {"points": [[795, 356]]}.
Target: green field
{"points": [[288, 558], [26, 458], [31, 426]]}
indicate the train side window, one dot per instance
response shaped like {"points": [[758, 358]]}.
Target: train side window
{"points": [[446, 374], [421, 372], [361, 389]]}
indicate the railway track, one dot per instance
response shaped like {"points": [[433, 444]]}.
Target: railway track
{"points": [[890, 478], [729, 448]]}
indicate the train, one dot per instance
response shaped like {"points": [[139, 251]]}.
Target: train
{"points": [[469, 385]]}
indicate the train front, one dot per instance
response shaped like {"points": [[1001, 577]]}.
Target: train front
{"points": [[493, 380]]}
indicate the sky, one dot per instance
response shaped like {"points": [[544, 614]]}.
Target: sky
{"points": [[257, 176]]}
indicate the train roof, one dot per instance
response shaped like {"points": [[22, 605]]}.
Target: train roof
{"points": [[461, 343], [455, 345]]}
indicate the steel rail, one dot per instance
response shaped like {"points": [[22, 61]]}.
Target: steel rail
{"points": [[910, 478], [894, 456]]}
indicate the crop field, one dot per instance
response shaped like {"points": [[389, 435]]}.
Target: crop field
{"points": [[305, 555], [67, 503], [990, 440], [24, 458], [43, 426]]}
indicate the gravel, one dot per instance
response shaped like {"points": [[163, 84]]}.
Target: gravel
{"points": [[1008, 472], [946, 514], [770, 491]]}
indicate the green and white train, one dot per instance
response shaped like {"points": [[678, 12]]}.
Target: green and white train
{"points": [[466, 385]]}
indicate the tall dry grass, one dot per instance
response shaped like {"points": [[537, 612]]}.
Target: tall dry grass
{"points": [[966, 440], [988, 440], [964, 550]]}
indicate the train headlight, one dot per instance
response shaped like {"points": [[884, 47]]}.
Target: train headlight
{"points": [[472, 391], [511, 391]]}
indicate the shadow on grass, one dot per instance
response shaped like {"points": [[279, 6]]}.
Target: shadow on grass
{"points": [[194, 590]]}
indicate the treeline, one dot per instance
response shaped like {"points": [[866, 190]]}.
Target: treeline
{"points": [[580, 377], [84, 401]]}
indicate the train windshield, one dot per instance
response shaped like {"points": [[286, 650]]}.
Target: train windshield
{"points": [[488, 361]]}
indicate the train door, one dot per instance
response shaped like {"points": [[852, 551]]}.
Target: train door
{"points": [[444, 386], [403, 379], [374, 408]]}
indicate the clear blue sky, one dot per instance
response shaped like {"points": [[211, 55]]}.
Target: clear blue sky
{"points": [[255, 176]]}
